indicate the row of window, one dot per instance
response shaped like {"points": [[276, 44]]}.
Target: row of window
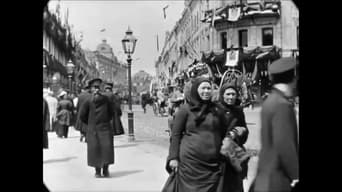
{"points": [[193, 23], [50, 46], [267, 37]]}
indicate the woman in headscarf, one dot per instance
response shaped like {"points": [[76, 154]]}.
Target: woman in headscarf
{"points": [[196, 140], [229, 101]]}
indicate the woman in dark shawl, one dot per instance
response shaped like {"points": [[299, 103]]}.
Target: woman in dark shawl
{"points": [[229, 102], [196, 140]]}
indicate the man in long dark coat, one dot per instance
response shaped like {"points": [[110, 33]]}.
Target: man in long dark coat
{"points": [[116, 121], [80, 126], [278, 159], [97, 113]]}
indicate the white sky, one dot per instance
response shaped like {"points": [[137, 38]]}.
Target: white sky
{"points": [[145, 18]]}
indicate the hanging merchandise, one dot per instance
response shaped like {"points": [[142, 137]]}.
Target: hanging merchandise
{"points": [[243, 68], [268, 67], [233, 14], [255, 72], [232, 58], [262, 55]]}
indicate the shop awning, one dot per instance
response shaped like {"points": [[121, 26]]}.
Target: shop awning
{"points": [[216, 56], [219, 56], [56, 66]]}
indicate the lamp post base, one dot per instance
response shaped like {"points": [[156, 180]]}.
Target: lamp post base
{"points": [[130, 126]]}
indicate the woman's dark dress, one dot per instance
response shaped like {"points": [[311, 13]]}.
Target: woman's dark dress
{"points": [[200, 162], [233, 181]]}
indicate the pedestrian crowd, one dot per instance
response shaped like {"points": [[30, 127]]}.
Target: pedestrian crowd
{"points": [[207, 128], [95, 113]]}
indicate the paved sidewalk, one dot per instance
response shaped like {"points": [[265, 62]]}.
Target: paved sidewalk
{"points": [[139, 166]]}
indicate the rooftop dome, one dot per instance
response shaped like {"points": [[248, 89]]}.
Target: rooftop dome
{"points": [[104, 47]]}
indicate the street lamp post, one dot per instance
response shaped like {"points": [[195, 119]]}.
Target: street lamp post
{"points": [[128, 44], [70, 70]]}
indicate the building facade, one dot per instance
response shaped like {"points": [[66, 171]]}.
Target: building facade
{"points": [[261, 24], [141, 82], [108, 66], [253, 26], [85, 67], [166, 64], [58, 48]]}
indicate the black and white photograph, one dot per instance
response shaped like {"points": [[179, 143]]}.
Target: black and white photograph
{"points": [[171, 96]]}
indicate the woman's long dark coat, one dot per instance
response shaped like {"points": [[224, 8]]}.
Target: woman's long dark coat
{"points": [[64, 113], [80, 126], [233, 181], [97, 115], [67, 106], [198, 151], [46, 124]]}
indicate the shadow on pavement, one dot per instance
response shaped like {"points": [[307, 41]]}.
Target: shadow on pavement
{"points": [[59, 160], [123, 173], [126, 145]]}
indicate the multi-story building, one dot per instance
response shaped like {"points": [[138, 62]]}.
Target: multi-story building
{"points": [[166, 63], [186, 42], [262, 30], [261, 24], [86, 67], [58, 47], [141, 82], [108, 66]]}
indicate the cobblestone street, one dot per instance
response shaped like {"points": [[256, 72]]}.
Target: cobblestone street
{"points": [[141, 162], [153, 127]]}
